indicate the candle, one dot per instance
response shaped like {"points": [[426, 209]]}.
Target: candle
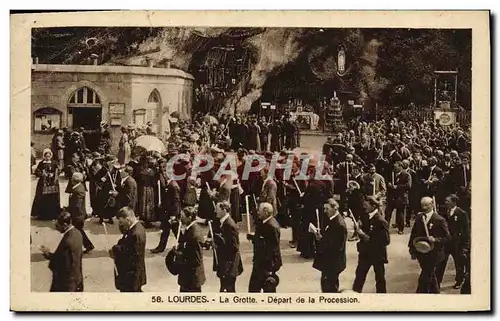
{"points": [[393, 178], [347, 173], [159, 193], [297, 186], [317, 219], [248, 214], [465, 176], [373, 187]]}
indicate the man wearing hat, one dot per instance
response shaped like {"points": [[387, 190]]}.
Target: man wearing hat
{"points": [[427, 239], [267, 254], [372, 247], [110, 182], [76, 207], [95, 180]]}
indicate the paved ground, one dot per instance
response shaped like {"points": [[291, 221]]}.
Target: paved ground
{"points": [[296, 275]]}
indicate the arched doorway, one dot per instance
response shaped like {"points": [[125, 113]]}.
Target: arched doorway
{"points": [[153, 109], [84, 109]]}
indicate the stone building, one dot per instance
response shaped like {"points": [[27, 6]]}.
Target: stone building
{"points": [[77, 96]]}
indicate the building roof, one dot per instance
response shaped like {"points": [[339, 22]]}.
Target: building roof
{"points": [[105, 69]]}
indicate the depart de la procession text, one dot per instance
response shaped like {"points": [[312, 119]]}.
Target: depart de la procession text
{"points": [[275, 299]]}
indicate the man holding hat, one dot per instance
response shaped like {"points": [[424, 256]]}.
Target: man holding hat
{"points": [[427, 239]]}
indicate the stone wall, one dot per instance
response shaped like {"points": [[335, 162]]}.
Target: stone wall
{"points": [[53, 85]]}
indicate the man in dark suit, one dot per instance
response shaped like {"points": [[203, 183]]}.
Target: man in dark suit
{"points": [[461, 142], [372, 247], [374, 183], [459, 244], [413, 200], [126, 192], [66, 261], [227, 264], [432, 180], [294, 202], [223, 192], [393, 156], [264, 133], [267, 254], [76, 207], [330, 254], [170, 193], [192, 273], [130, 273], [428, 222], [459, 181], [355, 198], [398, 196]]}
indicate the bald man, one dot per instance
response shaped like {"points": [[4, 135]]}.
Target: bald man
{"points": [[439, 234], [267, 253]]}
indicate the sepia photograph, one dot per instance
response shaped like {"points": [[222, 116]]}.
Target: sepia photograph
{"points": [[319, 165]]}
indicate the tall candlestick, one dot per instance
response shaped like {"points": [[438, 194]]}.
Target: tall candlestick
{"points": [[347, 173], [317, 219], [465, 176], [159, 193], [248, 215]]}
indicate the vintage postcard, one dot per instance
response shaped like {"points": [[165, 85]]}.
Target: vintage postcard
{"points": [[250, 161]]}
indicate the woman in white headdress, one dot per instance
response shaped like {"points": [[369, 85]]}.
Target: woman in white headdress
{"points": [[47, 202]]}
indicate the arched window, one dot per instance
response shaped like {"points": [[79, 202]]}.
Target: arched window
{"points": [[153, 107], [84, 97], [154, 97]]}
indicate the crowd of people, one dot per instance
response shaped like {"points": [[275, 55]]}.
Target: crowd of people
{"points": [[419, 171]]}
